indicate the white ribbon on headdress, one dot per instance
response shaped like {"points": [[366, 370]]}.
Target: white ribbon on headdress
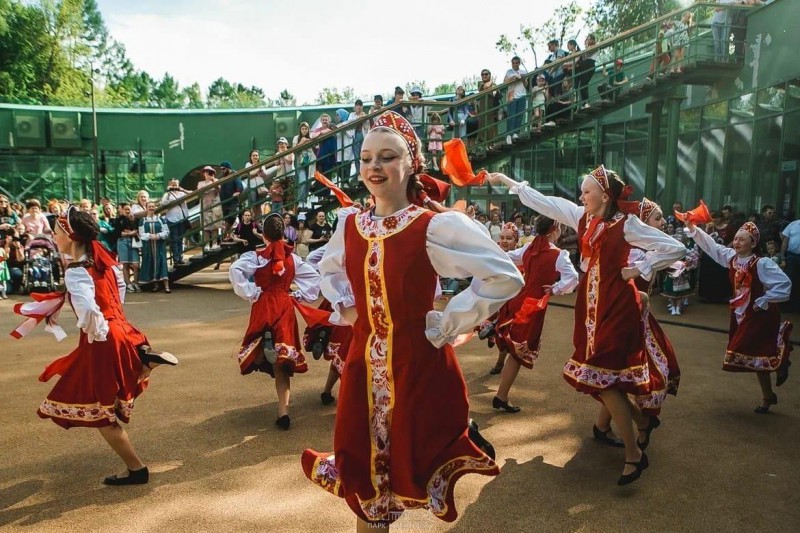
{"points": [[44, 307]]}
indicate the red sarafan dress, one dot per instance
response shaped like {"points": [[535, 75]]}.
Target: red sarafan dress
{"points": [[401, 435], [520, 321], [609, 332], [665, 374], [100, 379], [273, 306], [758, 341]]}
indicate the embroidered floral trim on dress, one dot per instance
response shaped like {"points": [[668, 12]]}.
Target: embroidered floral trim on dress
{"points": [[761, 363], [601, 378], [522, 352], [89, 412], [592, 301], [380, 381], [332, 355], [325, 474], [385, 227]]}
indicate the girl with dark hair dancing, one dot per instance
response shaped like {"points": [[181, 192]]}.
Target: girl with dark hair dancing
{"points": [[110, 368], [271, 343]]}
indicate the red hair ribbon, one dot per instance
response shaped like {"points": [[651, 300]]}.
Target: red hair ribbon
{"points": [[276, 253], [456, 165]]}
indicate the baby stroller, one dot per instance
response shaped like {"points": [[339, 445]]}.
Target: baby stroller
{"points": [[41, 270]]}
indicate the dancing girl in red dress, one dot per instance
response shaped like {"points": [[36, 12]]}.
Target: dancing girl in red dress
{"points": [[520, 321], [101, 378], [271, 343], [758, 340], [609, 361], [402, 436], [662, 362]]}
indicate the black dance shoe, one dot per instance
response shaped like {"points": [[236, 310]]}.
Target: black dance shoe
{"points": [[487, 331], [479, 441], [602, 436], [283, 422], [318, 348], [643, 463], [782, 373], [497, 403], [766, 402], [268, 345], [150, 356], [327, 398], [134, 477], [653, 424]]}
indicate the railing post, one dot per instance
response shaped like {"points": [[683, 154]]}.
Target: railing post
{"points": [[651, 178], [673, 130]]}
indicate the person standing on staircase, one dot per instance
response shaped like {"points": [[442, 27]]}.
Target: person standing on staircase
{"points": [[517, 92]]}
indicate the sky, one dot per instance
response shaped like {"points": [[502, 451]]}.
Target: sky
{"points": [[305, 45]]}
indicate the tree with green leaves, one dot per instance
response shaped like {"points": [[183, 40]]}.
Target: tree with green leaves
{"points": [[332, 95], [612, 17], [192, 97], [167, 94], [566, 23]]}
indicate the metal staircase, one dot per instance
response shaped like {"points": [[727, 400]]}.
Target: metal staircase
{"points": [[487, 139]]}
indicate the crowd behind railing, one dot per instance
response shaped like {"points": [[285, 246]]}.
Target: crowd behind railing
{"points": [[148, 233]]}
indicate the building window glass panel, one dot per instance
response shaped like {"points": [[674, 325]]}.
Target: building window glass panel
{"points": [[715, 115], [742, 108], [737, 175], [712, 149]]}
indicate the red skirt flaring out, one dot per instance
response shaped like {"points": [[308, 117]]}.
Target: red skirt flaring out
{"points": [[273, 311], [99, 381]]}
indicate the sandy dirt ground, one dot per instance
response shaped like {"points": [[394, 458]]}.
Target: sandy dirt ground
{"points": [[218, 462]]}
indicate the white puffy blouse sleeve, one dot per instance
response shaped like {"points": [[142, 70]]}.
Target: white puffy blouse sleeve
{"points": [[335, 284], [313, 258], [307, 280], [719, 253], [661, 250], [777, 285], [569, 276], [121, 286], [559, 209], [240, 272], [518, 254], [80, 287], [458, 249]]}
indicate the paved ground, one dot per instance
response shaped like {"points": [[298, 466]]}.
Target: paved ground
{"points": [[220, 464]]}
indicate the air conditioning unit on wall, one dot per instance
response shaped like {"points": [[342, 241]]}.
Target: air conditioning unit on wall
{"points": [[29, 129], [65, 129], [286, 125]]}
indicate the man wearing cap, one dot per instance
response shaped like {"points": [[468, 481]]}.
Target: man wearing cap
{"points": [[416, 114], [229, 193], [517, 92]]}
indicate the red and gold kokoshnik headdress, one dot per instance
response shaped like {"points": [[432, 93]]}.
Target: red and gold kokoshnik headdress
{"points": [[63, 222], [601, 177], [752, 229], [395, 123], [646, 208]]}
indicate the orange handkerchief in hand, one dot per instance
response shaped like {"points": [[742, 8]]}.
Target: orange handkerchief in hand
{"points": [[456, 166]]}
